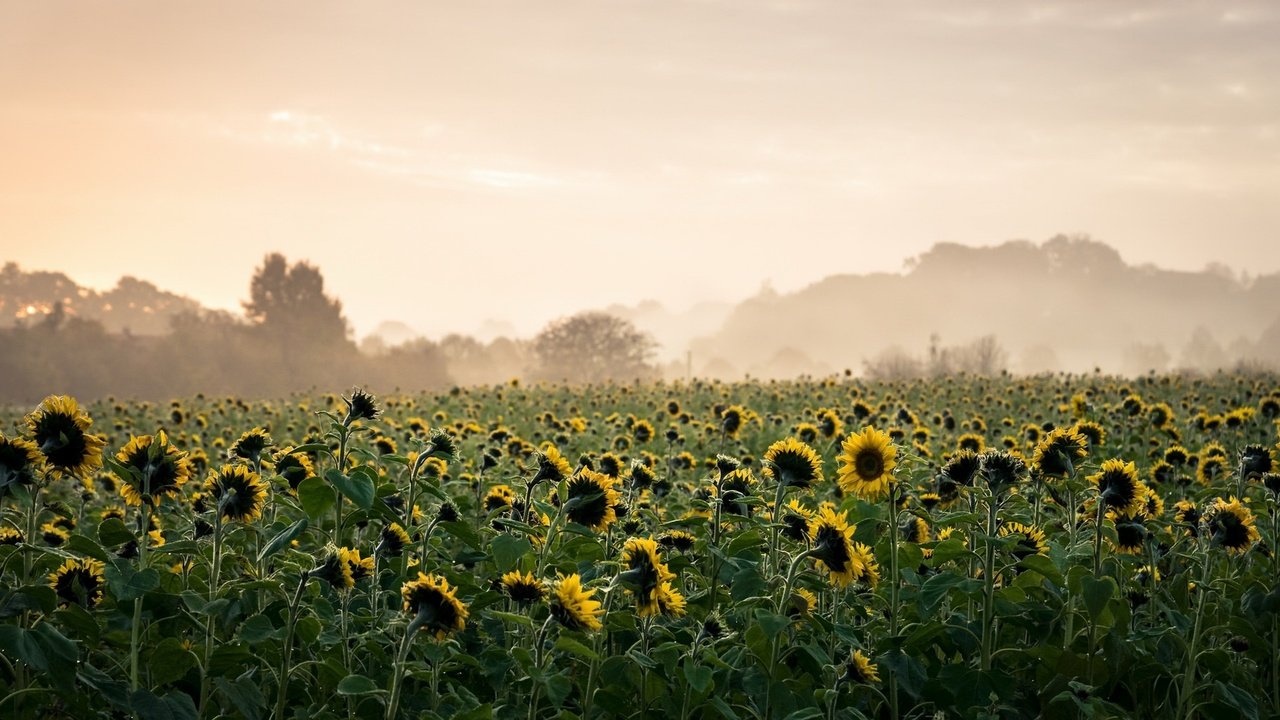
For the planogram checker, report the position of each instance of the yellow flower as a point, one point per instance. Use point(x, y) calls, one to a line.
point(868, 459)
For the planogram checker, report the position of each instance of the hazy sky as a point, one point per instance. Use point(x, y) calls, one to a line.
point(447, 162)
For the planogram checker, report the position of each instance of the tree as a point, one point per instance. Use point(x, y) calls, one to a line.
point(593, 347)
point(290, 302)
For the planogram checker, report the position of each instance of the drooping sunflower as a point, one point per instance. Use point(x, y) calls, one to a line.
point(1188, 515)
point(678, 540)
point(162, 469)
point(1211, 469)
point(1177, 456)
point(1231, 525)
point(1091, 431)
point(360, 406)
point(54, 535)
point(829, 423)
point(392, 540)
point(523, 589)
point(868, 459)
point(1028, 539)
point(962, 468)
point(10, 536)
point(20, 462)
point(793, 463)
point(795, 520)
point(61, 432)
point(78, 582)
point(434, 606)
point(251, 444)
point(238, 492)
point(914, 530)
point(1131, 534)
point(972, 442)
point(294, 468)
point(1119, 487)
point(336, 568)
point(572, 606)
point(1255, 461)
point(832, 546)
point(591, 500)
point(1002, 470)
point(499, 497)
point(1058, 452)
point(669, 601)
point(1152, 505)
point(552, 466)
point(859, 670)
point(645, 572)
point(865, 556)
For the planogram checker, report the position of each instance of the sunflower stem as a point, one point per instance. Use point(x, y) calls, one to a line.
point(282, 691)
point(893, 593)
point(397, 673)
point(135, 630)
point(1189, 676)
point(989, 583)
point(214, 573)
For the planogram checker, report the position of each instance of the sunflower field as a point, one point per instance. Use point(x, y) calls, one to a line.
point(1060, 546)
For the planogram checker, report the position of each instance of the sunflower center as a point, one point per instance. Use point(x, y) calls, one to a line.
point(869, 464)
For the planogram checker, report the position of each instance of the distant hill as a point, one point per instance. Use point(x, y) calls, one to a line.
point(133, 305)
point(1070, 303)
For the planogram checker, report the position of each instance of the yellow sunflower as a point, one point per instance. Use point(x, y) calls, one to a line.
point(868, 459)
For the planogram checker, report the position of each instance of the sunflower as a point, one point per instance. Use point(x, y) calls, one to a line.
point(1058, 452)
point(1231, 525)
point(678, 540)
point(1177, 456)
point(832, 546)
point(335, 568)
point(361, 568)
point(793, 463)
point(914, 530)
point(864, 556)
point(1002, 470)
point(392, 541)
point(294, 468)
point(1119, 487)
point(829, 424)
point(1255, 461)
point(499, 497)
point(868, 459)
point(731, 420)
point(1028, 539)
point(60, 430)
point(803, 603)
point(642, 476)
point(1092, 432)
point(360, 406)
point(860, 671)
point(240, 492)
point(591, 499)
point(78, 582)
point(251, 444)
point(644, 574)
point(1131, 534)
point(669, 601)
point(523, 589)
point(433, 605)
point(1186, 513)
point(10, 536)
point(1152, 505)
point(20, 462)
point(1211, 469)
point(572, 606)
point(53, 535)
point(972, 442)
point(161, 469)
point(962, 468)
point(795, 520)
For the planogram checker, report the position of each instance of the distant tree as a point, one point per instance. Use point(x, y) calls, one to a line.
point(892, 363)
point(291, 301)
point(1140, 358)
point(1203, 352)
point(593, 347)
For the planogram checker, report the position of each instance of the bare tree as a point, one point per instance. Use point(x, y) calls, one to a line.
point(593, 347)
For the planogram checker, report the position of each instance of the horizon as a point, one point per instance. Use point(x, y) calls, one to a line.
point(519, 164)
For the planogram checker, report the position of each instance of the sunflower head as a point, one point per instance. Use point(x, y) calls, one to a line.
point(159, 470)
point(670, 602)
point(251, 445)
point(962, 468)
point(859, 670)
point(523, 589)
point(360, 406)
point(1028, 539)
point(1119, 487)
point(832, 546)
point(392, 540)
point(335, 569)
point(1058, 452)
point(238, 491)
point(20, 462)
point(868, 458)
point(572, 606)
point(1002, 470)
point(795, 520)
point(645, 572)
point(914, 529)
point(1131, 534)
point(60, 430)
point(78, 582)
point(1231, 525)
point(1093, 433)
point(552, 466)
point(678, 540)
point(294, 468)
point(793, 463)
point(1255, 461)
point(433, 605)
point(591, 499)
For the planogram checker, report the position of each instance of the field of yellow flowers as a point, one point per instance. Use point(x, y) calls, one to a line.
point(1059, 546)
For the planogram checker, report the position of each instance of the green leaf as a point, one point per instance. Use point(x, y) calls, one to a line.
point(127, 585)
point(949, 549)
point(282, 540)
point(356, 685)
point(1096, 594)
point(698, 676)
point(1238, 699)
point(770, 623)
point(507, 551)
point(85, 546)
point(356, 487)
point(170, 661)
point(112, 532)
point(19, 644)
point(570, 645)
point(256, 629)
point(316, 497)
point(148, 706)
point(464, 532)
point(935, 590)
point(1043, 565)
point(244, 694)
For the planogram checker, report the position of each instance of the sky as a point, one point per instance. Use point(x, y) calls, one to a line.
point(445, 163)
